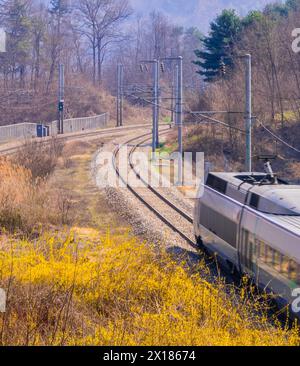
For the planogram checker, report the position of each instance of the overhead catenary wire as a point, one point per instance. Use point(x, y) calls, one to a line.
point(214, 120)
point(197, 115)
point(276, 137)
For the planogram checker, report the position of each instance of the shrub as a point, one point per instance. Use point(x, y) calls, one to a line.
point(39, 157)
point(82, 289)
point(25, 203)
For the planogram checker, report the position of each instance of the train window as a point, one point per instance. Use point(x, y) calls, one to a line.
point(220, 225)
point(277, 260)
point(254, 201)
point(271, 257)
point(260, 249)
point(266, 256)
point(293, 270)
point(216, 183)
point(281, 263)
point(285, 264)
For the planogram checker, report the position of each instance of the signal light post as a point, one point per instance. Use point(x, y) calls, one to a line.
point(120, 94)
point(61, 94)
point(248, 113)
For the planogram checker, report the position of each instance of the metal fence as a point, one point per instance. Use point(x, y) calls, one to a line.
point(81, 124)
point(20, 130)
point(28, 130)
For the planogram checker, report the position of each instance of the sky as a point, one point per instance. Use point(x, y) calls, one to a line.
point(197, 13)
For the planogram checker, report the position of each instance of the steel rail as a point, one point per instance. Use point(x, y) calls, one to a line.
point(153, 190)
point(147, 204)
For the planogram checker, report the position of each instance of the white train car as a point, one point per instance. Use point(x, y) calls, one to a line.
point(252, 221)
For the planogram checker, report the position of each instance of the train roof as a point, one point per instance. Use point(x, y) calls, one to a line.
point(277, 199)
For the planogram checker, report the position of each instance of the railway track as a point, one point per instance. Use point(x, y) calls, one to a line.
point(166, 211)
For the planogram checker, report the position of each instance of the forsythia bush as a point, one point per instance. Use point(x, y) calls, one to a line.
point(81, 289)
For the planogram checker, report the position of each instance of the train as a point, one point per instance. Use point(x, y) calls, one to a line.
point(251, 222)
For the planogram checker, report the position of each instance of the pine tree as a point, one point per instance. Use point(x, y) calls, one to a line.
point(217, 47)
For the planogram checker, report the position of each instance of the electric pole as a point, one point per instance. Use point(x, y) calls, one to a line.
point(248, 113)
point(61, 101)
point(156, 101)
point(120, 94)
point(179, 116)
point(174, 76)
point(179, 111)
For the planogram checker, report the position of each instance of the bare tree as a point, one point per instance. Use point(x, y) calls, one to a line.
point(100, 21)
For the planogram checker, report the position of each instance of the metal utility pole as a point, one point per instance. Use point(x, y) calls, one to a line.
point(156, 101)
point(179, 110)
point(174, 95)
point(248, 113)
point(154, 108)
point(61, 101)
point(120, 94)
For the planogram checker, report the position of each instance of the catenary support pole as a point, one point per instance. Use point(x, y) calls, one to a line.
point(121, 93)
point(248, 113)
point(157, 99)
point(118, 95)
point(180, 118)
point(154, 114)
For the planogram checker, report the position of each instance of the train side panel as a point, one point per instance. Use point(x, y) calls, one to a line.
point(268, 253)
point(218, 229)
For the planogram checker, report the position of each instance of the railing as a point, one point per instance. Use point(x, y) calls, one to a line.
point(12, 132)
point(81, 124)
point(29, 130)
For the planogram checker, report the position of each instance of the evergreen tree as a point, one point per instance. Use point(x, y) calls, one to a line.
point(218, 45)
point(293, 5)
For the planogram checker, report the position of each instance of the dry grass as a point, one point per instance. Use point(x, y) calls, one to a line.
point(26, 203)
point(39, 157)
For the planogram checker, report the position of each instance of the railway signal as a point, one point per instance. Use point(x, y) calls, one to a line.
point(223, 69)
point(61, 106)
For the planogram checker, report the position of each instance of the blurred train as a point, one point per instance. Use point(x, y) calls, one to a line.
point(252, 222)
